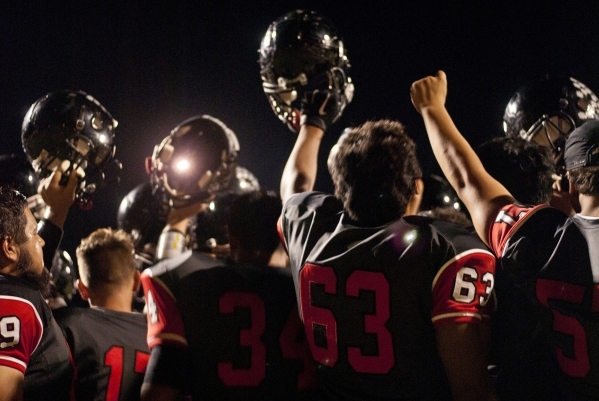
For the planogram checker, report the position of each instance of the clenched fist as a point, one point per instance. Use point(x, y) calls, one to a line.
point(429, 92)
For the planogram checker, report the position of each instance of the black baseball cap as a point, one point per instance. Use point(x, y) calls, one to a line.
point(580, 145)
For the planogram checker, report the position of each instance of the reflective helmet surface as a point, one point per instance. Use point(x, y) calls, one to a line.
point(142, 215)
point(195, 161)
point(210, 226)
point(301, 51)
point(16, 171)
point(548, 109)
point(66, 130)
point(438, 193)
point(62, 274)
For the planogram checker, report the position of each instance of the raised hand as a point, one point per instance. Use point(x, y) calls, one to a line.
point(429, 91)
point(319, 109)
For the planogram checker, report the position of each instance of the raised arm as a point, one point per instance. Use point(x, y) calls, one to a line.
point(300, 170)
point(481, 193)
point(319, 110)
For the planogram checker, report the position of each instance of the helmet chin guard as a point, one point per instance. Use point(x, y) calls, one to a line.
point(301, 52)
point(194, 162)
point(70, 130)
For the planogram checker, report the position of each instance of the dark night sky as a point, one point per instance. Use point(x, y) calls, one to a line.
point(153, 66)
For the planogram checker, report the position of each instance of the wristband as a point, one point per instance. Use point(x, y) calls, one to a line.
point(315, 121)
point(170, 244)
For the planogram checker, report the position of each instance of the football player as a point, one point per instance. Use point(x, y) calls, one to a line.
point(393, 304)
point(551, 257)
point(35, 362)
point(108, 339)
point(220, 330)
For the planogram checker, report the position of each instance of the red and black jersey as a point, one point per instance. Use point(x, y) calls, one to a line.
point(239, 325)
point(371, 297)
point(548, 287)
point(109, 349)
point(31, 342)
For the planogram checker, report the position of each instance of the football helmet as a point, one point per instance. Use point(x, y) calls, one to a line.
point(548, 109)
point(210, 226)
point(62, 275)
point(439, 194)
point(17, 172)
point(194, 162)
point(70, 130)
point(143, 216)
point(302, 51)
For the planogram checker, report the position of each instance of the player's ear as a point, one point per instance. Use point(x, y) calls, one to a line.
point(9, 250)
point(414, 204)
point(136, 281)
point(82, 290)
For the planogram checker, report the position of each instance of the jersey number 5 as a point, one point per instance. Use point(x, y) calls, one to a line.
point(578, 365)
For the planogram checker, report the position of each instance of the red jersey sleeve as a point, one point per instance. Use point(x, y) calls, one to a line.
point(463, 287)
point(507, 221)
point(165, 325)
point(21, 331)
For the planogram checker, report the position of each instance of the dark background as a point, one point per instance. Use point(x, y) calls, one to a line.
point(155, 64)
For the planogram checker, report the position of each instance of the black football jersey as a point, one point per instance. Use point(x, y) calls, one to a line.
point(548, 282)
point(239, 324)
point(371, 297)
point(109, 349)
point(31, 342)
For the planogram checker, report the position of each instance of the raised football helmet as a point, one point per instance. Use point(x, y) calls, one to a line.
point(210, 226)
point(194, 162)
point(302, 51)
point(143, 216)
point(70, 130)
point(548, 109)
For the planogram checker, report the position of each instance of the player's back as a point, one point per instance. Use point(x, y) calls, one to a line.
point(554, 261)
point(109, 349)
point(241, 322)
point(371, 297)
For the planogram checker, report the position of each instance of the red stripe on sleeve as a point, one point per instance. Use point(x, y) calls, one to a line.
point(21, 331)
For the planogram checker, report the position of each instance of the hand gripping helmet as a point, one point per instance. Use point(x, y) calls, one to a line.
point(143, 216)
point(70, 130)
point(548, 109)
point(194, 162)
point(302, 51)
point(210, 226)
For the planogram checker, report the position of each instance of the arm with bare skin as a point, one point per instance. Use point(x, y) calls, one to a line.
point(482, 194)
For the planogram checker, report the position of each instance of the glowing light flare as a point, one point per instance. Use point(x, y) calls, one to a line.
point(409, 237)
point(181, 165)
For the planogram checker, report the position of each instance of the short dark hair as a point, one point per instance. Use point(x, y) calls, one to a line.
point(524, 168)
point(586, 179)
point(12, 214)
point(375, 172)
point(253, 218)
point(105, 257)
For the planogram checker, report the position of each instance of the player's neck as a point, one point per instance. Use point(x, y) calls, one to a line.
point(589, 205)
point(120, 302)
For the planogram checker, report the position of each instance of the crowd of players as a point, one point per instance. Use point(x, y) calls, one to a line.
point(215, 288)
